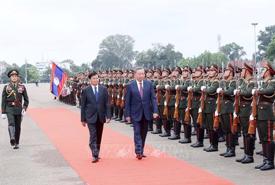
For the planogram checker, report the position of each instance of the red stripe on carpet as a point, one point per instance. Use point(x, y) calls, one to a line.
point(118, 164)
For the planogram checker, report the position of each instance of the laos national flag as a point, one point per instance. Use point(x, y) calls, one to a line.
point(58, 79)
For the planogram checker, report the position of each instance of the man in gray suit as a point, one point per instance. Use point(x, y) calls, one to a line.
point(95, 111)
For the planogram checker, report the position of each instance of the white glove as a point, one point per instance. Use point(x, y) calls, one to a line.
point(251, 117)
point(219, 90)
point(23, 112)
point(236, 91)
point(203, 88)
point(4, 116)
point(235, 115)
point(216, 113)
point(200, 110)
point(189, 88)
point(176, 87)
point(165, 103)
point(167, 86)
point(254, 91)
point(157, 86)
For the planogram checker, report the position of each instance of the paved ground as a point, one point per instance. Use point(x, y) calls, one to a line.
point(38, 161)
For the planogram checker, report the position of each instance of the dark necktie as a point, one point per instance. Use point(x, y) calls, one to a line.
point(96, 94)
point(140, 89)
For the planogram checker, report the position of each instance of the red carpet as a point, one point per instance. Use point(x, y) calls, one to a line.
point(118, 165)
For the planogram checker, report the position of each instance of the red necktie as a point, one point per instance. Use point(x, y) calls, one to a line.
point(140, 89)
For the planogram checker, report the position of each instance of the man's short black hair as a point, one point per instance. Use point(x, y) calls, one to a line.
point(92, 74)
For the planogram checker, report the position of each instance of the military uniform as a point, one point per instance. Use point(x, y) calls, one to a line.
point(12, 98)
point(196, 89)
point(245, 89)
point(209, 110)
point(265, 120)
point(226, 114)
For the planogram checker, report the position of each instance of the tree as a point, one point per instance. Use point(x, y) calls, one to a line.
point(271, 50)
point(159, 56)
point(233, 51)
point(205, 59)
point(265, 38)
point(32, 73)
point(115, 51)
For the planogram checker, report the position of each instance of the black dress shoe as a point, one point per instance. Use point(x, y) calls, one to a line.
point(174, 137)
point(165, 134)
point(185, 140)
point(139, 156)
point(268, 166)
point(259, 152)
point(197, 145)
point(150, 129)
point(16, 146)
point(248, 159)
point(222, 154)
point(241, 159)
point(12, 142)
point(211, 148)
point(95, 160)
point(144, 156)
point(261, 165)
point(156, 132)
point(230, 153)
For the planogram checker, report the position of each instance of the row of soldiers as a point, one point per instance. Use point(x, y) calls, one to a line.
point(235, 100)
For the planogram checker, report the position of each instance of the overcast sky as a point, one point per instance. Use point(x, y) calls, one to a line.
point(39, 30)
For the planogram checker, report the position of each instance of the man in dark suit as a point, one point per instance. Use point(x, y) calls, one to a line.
point(140, 108)
point(95, 111)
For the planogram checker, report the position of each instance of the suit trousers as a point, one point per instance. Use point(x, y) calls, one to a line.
point(140, 133)
point(95, 130)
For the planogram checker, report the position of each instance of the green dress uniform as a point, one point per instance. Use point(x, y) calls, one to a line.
point(226, 117)
point(265, 121)
point(187, 127)
point(194, 112)
point(208, 114)
point(244, 113)
point(12, 98)
point(172, 108)
point(159, 89)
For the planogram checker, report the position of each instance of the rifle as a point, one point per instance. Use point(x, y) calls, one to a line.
point(167, 100)
point(202, 99)
point(252, 118)
point(187, 115)
point(158, 93)
point(122, 103)
point(218, 108)
point(178, 95)
point(236, 119)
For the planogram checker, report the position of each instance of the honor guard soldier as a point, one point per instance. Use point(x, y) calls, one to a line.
point(12, 106)
point(159, 90)
point(210, 107)
point(244, 91)
point(225, 116)
point(175, 102)
point(265, 118)
point(185, 98)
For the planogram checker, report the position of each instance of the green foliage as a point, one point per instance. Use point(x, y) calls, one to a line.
point(205, 59)
point(115, 51)
point(233, 51)
point(264, 39)
point(271, 50)
point(159, 56)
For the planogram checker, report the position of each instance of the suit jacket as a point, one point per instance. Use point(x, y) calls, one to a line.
point(92, 110)
point(135, 106)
